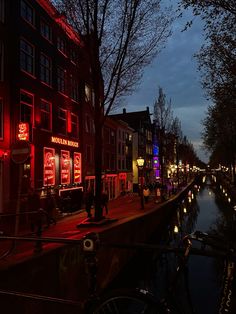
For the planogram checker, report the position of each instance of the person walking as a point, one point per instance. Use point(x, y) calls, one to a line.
point(33, 206)
point(146, 193)
point(88, 200)
point(50, 209)
point(104, 201)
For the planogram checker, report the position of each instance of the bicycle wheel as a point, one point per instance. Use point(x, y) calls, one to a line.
point(126, 301)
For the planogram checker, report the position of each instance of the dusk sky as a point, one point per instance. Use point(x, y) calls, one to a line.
point(175, 70)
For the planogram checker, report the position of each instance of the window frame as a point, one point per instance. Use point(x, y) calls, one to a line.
point(22, 102)
point(74, 88)
point(63, 120)
point(61, 79)
point(45, 71)
point(43, 23)
point(49, 113)
point(25, 16)
point(75, 133)
point(61, 45)
point(27, 55)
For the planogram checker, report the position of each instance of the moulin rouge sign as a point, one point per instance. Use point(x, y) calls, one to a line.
point(63, 141)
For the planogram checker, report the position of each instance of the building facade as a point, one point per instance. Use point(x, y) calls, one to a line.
point(140, 122)
point(47, 100)
point(42, 92)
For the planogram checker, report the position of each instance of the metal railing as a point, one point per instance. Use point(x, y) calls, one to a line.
point(38, 248)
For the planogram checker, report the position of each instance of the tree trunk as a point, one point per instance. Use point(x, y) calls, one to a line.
point(98, 170)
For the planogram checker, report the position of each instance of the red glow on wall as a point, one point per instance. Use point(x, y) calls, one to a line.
point(3, 154)
point(60, 19)
point(77, 168)
point(122, 176)
point(65, 167)
point(23, 131)
point(49, 166)
point(69, 122)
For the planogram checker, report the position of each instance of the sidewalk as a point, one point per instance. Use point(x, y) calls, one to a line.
point(75, 226)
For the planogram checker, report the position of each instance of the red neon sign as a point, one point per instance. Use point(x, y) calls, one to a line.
point(65, 167)
point(49, 166)
point(122, 176)
point(23, 131)
point(77, 168)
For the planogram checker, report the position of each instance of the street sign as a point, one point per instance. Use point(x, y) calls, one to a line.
point(20, 152)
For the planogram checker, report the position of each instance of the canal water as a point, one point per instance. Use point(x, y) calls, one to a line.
point(200, 289)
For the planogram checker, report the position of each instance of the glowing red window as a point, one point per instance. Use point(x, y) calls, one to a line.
point(65, 167)
point(77, 168)
point(49, 166)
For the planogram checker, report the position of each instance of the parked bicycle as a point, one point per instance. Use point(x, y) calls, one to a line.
point(138, 300)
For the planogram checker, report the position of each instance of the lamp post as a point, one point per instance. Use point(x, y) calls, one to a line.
point(140, 165)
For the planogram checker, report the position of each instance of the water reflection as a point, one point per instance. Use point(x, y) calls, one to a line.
point(199, 289)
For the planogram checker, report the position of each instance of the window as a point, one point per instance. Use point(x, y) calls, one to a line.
point(74, 125)
point(45, 114)
point(89, 156)
point(45, 30)
point(1, 61)
point(62, 117)
point(49, 168)
point(1, 118)
point(26, 56)
point(61, 45)
point(26, 107)
point(73, 55)
point(112, 137)
point(45, 69)
point(119, 148)
point(27, 12)
point(87, 93)
point(89, 125)
point(2, 11)
point(65, 167)
point(113, 162)
point(61, 80)
point(74, 88)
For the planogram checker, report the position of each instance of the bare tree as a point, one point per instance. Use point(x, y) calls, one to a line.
point(121, 37)
point(163, 122)
point(217, 64)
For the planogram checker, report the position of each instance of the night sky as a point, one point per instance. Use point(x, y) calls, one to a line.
point(175, 70)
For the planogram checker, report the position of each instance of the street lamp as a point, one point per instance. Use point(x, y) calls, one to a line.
point(140, 165)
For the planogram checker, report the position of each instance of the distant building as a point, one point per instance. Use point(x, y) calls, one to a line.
point(140, 122)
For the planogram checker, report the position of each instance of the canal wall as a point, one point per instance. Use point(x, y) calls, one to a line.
point(61, 272)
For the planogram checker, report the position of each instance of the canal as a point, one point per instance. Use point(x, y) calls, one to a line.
point(207, 208)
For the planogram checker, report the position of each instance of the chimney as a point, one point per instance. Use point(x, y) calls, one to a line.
point(124, 111)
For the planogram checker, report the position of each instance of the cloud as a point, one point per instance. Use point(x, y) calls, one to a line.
point(175, 70)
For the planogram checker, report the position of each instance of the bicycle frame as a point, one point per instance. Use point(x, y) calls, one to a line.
point(219, 250)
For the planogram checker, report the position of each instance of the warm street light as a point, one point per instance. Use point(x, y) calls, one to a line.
point(140, 165)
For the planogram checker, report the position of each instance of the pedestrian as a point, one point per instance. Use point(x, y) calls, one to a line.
point(88, 200)
point(37, 213)
point(146, 193)
point(104, 201)
point(158, 195)
point(50, 208)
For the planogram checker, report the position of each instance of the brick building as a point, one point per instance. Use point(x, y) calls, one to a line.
point(44, 85)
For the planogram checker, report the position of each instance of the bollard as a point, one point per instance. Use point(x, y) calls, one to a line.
point(39, 223)
point(90, 246)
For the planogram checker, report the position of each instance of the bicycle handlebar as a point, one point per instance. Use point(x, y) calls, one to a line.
point(219, 247)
